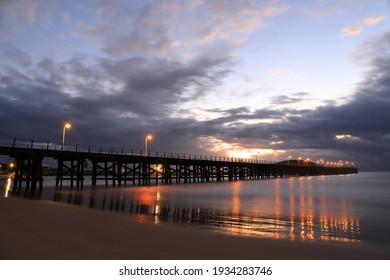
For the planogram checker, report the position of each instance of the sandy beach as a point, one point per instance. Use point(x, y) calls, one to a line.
point(31, 229)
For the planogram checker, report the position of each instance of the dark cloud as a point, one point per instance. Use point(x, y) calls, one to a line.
point(110, 102)
point(289, 99)
point(15, 56)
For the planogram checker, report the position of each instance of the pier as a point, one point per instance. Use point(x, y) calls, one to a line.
point(119, 166)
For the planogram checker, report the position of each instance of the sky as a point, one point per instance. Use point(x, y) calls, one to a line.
point(262, 79)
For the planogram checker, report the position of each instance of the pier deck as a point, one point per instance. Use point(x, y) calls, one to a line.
point(117, 166)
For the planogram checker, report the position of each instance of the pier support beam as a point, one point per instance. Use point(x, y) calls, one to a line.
point(70, 169)
point(28, 169)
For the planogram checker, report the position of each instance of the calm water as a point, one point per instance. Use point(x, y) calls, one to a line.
point(350, 208)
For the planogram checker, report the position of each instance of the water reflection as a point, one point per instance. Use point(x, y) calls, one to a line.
point(29, 193)
point(8, 187)
point(297, 213)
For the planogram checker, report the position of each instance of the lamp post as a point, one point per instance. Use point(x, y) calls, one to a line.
point(67, 125)
point(147, 137)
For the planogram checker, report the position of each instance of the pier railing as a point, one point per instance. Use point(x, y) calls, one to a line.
point(121, 151)
point(122, 166)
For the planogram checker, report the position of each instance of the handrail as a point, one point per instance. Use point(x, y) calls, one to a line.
point(120, 151)
point(132, 152)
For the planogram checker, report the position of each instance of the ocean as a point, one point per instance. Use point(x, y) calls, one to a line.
point(341, 208)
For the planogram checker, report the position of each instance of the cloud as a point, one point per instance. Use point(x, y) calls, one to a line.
point(168, 26)
point(366, 54)
point(273, 10)
point(15, 56)
point(24, 10)
point(290, 99)
point(357, 29)
point(373, 20)
point(322, 11)
point(110, 101)
point(351, 31)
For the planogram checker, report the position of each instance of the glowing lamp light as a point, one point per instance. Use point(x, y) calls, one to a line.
point(67, 125)
point(148, 137)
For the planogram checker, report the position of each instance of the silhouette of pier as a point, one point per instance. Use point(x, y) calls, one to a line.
point(118, 166)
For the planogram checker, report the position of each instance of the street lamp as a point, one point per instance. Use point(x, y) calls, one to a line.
point(147, 137)
point(67, 125)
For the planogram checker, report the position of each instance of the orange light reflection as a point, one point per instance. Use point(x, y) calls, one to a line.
point(8, 187)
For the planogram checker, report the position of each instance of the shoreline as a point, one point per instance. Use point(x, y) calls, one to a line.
point(31, 229)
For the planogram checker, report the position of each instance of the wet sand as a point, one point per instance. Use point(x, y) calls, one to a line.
point(44, 230)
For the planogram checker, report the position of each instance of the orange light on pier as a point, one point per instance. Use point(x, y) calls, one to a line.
point(148, 137)
point(67, 125)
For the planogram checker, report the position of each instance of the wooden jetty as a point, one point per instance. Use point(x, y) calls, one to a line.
point(117, 166)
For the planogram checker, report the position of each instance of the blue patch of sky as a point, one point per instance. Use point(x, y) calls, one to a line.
point(308, 52)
